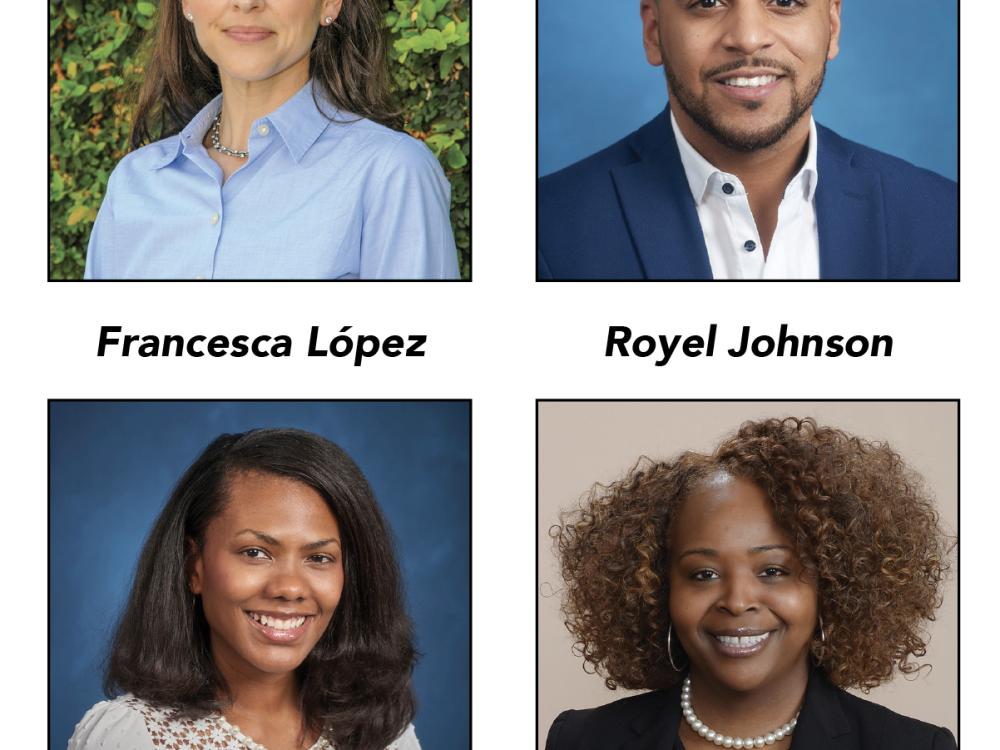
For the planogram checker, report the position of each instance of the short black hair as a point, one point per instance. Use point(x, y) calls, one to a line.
point(356, 682)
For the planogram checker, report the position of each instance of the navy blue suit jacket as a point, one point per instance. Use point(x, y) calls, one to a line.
point(627, 213)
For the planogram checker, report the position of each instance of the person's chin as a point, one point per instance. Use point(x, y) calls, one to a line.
point(250, 74)
point(276, 666)
point(742, 670)
point(742, 677)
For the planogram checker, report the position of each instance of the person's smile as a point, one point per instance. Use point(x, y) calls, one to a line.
point(278, 627)
point(740, 643)
point(748, 84)
point(248, 34)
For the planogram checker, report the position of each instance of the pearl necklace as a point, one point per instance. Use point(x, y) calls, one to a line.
point(724, 740)
point(217, 143)
point(321, 744)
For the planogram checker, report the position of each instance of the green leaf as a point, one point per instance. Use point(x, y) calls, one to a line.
point(455, 158)
point(438, 143)
point(448, 61)
point(146, 9)
point(58, 186)
point(103, 51)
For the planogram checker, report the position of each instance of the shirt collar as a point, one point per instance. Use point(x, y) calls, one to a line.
point(299, 123)
point(700, 172)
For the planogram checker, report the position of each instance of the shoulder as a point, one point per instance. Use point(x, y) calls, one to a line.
point(592, 173)
point(581, 232)
point(114, 723)
point(604, 726)
point(406, 741)
point(391, 149)
point(897, 172)
point(894, 730)
point(150, 156)
point(919, 208)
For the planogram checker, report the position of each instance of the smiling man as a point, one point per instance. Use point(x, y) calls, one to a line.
point(735, 180)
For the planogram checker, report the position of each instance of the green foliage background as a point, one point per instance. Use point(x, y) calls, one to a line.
point(94, 48)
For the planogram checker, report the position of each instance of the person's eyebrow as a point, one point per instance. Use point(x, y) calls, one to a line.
point(268, 539)
point(768, 548)
point(709, 552)
point(699, 551)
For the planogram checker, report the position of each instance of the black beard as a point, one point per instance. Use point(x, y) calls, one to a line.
point(743, 142)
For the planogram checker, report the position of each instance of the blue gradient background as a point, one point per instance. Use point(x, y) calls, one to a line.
point(893, 87)
point(113, 465)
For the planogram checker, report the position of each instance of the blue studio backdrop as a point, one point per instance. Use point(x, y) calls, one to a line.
point(113, 465)
point(893, 87)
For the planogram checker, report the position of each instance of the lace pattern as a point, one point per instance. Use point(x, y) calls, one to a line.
point(212, 732)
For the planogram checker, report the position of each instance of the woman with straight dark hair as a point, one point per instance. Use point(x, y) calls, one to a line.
point(281, 153)
point(267, 604)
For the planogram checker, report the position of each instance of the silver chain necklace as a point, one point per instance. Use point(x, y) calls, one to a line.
point(217, 145)
point(724, 740)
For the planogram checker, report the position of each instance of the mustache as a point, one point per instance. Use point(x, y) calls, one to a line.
point(756, 62)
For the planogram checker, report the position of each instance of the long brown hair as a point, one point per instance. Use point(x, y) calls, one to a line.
point(347, 63)
point(355, 685)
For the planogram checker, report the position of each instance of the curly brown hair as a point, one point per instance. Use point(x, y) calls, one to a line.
point(861, 523)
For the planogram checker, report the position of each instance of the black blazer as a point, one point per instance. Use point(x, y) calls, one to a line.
point(831, 719)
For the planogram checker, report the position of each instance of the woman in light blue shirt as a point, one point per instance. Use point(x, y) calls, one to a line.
point(284, 158)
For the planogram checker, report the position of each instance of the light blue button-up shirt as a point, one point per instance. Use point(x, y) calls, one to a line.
point(317, 199)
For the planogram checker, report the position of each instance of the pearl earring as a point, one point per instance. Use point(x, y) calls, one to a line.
point(328, 20)
point(189, 16)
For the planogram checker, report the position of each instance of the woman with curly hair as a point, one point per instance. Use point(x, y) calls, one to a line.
point(747, 589)
point(266, 612)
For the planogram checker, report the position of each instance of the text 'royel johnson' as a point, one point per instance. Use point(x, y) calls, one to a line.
point(622, 343)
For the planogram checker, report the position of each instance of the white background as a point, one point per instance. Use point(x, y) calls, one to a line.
point(502, 341)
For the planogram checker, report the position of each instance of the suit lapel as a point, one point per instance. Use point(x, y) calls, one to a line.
point(657, 731)
point(822, 724)
point(660, 213)
point(849, 213)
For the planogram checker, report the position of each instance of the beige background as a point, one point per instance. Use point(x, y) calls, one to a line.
point(580, 443)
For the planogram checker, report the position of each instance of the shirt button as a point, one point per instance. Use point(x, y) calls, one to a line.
point(263, 130)
point(214, 219)
point(728, 188)
point(749, 246)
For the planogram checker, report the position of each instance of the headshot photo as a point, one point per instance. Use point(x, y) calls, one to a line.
point(300, 583)
point(748, 574)
point(748, 140)
point(260, 140)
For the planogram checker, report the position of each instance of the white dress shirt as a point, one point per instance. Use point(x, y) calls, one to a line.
point(734, 247)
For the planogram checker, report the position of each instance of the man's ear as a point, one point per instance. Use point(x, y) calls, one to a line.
point(834, 29)
point(650, 12)
point(194, 567)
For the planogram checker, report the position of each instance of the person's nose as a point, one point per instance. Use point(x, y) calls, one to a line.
point(740, 594)
point(286, 582)
point(748, 28)
point(246, 5)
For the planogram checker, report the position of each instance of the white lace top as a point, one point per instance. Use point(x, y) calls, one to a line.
point(129, 723)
